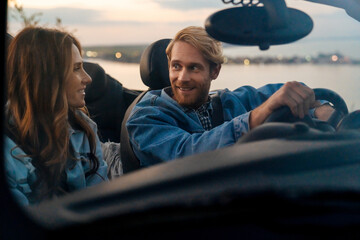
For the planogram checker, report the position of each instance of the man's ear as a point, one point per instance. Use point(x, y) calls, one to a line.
point(215, 71)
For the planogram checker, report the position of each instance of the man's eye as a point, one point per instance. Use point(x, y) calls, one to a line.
point(176, 66)
point(194, 68)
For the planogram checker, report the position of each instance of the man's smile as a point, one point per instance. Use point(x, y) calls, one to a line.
point(185, 88)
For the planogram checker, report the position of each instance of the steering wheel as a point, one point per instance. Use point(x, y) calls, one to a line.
point(279, 122)
point(283, 114)
point(350, 121)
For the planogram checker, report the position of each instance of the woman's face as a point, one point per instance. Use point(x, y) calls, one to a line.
point(76, 84)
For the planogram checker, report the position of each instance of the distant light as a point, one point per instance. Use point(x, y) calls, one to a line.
point(91, 54)
point(308, 58)
point(118, 55)
point(246, 62)
point(334, 58)
point(279, 57)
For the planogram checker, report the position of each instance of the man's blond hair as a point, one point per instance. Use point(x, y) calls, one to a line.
point(210, 48)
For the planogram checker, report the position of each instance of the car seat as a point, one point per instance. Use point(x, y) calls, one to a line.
point(154, 73)
point(8, 39)
point(107, 100)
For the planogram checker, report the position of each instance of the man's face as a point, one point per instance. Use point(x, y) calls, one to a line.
point(190, 75)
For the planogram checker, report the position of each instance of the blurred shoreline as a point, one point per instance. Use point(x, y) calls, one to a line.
point(132, 54)
point(341, 78)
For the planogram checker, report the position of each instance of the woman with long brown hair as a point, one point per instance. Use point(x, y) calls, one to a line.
point(51, 147)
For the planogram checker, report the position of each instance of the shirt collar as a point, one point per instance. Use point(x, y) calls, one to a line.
point(167, 93)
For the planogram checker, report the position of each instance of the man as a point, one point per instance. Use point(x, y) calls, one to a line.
point(176, 121)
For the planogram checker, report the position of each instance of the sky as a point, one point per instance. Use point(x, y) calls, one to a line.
point(114, 22)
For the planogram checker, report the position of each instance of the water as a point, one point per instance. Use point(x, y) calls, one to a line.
point(305, 47)
point(343, 79)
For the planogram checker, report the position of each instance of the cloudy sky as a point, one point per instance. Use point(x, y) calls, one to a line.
point(111, 22)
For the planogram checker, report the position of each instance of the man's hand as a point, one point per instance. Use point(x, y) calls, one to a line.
point(297, 97)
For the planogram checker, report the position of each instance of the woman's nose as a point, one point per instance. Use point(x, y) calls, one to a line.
point(86, 78)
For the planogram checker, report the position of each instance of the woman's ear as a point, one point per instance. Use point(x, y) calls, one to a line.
point(215, 71)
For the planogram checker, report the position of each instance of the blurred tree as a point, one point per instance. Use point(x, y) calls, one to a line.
point(19, 14)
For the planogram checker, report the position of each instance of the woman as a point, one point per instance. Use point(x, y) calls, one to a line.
point(51, 146)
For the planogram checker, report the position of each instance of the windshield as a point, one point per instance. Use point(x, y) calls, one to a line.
point(115, 33)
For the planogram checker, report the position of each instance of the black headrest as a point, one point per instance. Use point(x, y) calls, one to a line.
point(154, 70)
point(99, 81)
point(8, 39)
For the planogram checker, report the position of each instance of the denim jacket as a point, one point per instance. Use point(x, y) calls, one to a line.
point(20, 172)
point(161, 130)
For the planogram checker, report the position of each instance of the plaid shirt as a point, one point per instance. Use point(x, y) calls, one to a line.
point(204, 113)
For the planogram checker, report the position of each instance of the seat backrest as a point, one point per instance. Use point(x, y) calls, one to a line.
point(154, 73)
point(154, 70)
point(107, 101)
point(8, 39)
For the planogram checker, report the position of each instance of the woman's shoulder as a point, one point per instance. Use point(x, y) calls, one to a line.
point(13, 152)
point(19, 170)
point(17, 164)
point(91, 123)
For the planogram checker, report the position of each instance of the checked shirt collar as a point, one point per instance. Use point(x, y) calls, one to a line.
point(204, 112)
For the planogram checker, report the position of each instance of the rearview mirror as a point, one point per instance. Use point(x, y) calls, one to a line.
point(265, 24)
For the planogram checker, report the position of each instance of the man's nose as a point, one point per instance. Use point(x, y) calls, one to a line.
point(183, 75)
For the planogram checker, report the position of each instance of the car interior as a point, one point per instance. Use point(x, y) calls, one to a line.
point(154, 74)
point(308, 171)
point(107, 100)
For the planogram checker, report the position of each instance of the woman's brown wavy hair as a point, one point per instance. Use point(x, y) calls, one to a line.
point(39, 64)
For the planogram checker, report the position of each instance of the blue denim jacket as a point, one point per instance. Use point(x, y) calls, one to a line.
point(20, 173)
point(161, 130)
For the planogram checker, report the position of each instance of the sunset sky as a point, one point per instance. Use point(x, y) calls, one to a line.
point(109, 22)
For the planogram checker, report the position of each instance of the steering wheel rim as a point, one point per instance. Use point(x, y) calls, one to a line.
point(283, 114)
point(331, 96)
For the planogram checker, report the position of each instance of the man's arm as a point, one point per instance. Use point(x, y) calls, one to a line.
point(298, 97)
point(160, 131)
